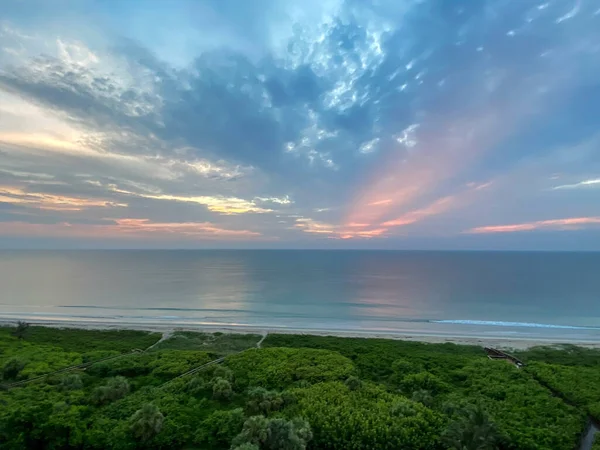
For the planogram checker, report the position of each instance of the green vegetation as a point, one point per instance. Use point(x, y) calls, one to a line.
point(278, 368)
point(84, 341)
point(570, 372)
point(564, 355)
point(578, 385)
point(596, 444)
point(218, 343)
point(295, 393)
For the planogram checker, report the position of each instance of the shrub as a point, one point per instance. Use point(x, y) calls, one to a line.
point(278, 368)
point(353, 383)
point(369, 417)
point(403, 367)
point(423, 381)
point(218, 430)
point(403, 408)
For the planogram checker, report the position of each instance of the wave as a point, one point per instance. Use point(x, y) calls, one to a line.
point(496, 323)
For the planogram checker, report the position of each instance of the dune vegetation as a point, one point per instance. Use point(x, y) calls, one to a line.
point(89, 389)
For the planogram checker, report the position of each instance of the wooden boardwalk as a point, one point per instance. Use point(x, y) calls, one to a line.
point(493, 353)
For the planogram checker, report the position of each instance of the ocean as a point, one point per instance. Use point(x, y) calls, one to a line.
point(485, 294)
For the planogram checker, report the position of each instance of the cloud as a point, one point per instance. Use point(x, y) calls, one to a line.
point(223, 205)
point(439, 206)
point(126, 229)
point(569, 224)
point(362, 112)
point(17, 196)
point(580, 184)
point(285, 200)
point(331, 231)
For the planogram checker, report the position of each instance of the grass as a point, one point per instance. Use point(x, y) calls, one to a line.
point(218, 343)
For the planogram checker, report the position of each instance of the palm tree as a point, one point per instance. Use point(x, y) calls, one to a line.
point(222, 389)
point(474, 431)
point(255, 431)
point(147, 422)
point(246, 446)
point(274, 434)
point(20, 331)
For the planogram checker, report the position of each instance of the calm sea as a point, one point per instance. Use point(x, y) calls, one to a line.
point(459, 293)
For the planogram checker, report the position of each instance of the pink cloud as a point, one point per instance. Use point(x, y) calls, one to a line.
point(332, 231)
point(18, 196)
point(130, 228)
point(558, 224)
point(437, 157)
point(437, 207)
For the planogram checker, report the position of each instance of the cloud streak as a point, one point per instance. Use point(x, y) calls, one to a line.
point(581, 184)
point(569, 224)
point(17, 196)
point(128, 229)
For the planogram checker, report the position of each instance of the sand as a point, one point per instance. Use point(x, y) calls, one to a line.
point(167, 330)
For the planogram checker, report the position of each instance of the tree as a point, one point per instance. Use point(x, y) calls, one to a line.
point(282, 436)
point(71, 382)
point(146, 422)
point(263, 401)
point(195, 386)
point(246, 446)
point(422, 396)
point(21, 330)
point(255, 431)
point(472, 431)
point(302, 429)
point(223, 372)
point(11, 368)
point(116, 388)
point(222, 389)
point(274, 434)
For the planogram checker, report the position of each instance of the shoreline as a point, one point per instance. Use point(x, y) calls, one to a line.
point(514, 343)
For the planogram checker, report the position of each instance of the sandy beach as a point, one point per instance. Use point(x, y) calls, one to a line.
point(167, 330)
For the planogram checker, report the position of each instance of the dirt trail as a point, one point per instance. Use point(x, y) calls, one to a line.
point(588, 439)
point(264, 336)
point(166, 335)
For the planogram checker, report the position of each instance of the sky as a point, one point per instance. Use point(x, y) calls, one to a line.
point(383, 124)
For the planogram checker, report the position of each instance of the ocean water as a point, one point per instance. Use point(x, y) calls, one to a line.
point(487, 294)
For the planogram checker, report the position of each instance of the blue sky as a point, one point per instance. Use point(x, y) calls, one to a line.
point(424, 124)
